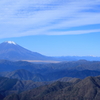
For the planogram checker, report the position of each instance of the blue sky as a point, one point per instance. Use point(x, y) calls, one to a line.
point(52, 27)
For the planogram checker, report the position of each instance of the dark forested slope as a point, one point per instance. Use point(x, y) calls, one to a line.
point(86, 89)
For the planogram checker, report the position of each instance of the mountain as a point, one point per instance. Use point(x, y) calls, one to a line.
point(48, 72)
point(11, 51)
point(11, 86)
point(86, 89)
point(76, 58)
point(71, 73)
point(23, 74)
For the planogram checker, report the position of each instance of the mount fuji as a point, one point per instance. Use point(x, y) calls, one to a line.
point(9, 50)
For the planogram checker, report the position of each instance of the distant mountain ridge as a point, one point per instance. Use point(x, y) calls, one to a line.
point(10, 50)
point(48, 72)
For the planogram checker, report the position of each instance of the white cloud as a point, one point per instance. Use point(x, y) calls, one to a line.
point(24, 17)
point(74, 32)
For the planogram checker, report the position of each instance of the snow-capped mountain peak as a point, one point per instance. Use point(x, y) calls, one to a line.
point(10, 50)
point(11, 42)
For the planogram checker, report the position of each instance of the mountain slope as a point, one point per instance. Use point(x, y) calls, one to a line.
point(87, 89)
point(12, 51)
point(9, 50)
point(11, 86)
point(23, 74)
point(48, 72)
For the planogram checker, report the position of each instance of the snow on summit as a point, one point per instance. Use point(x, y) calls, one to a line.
point(11, 42)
